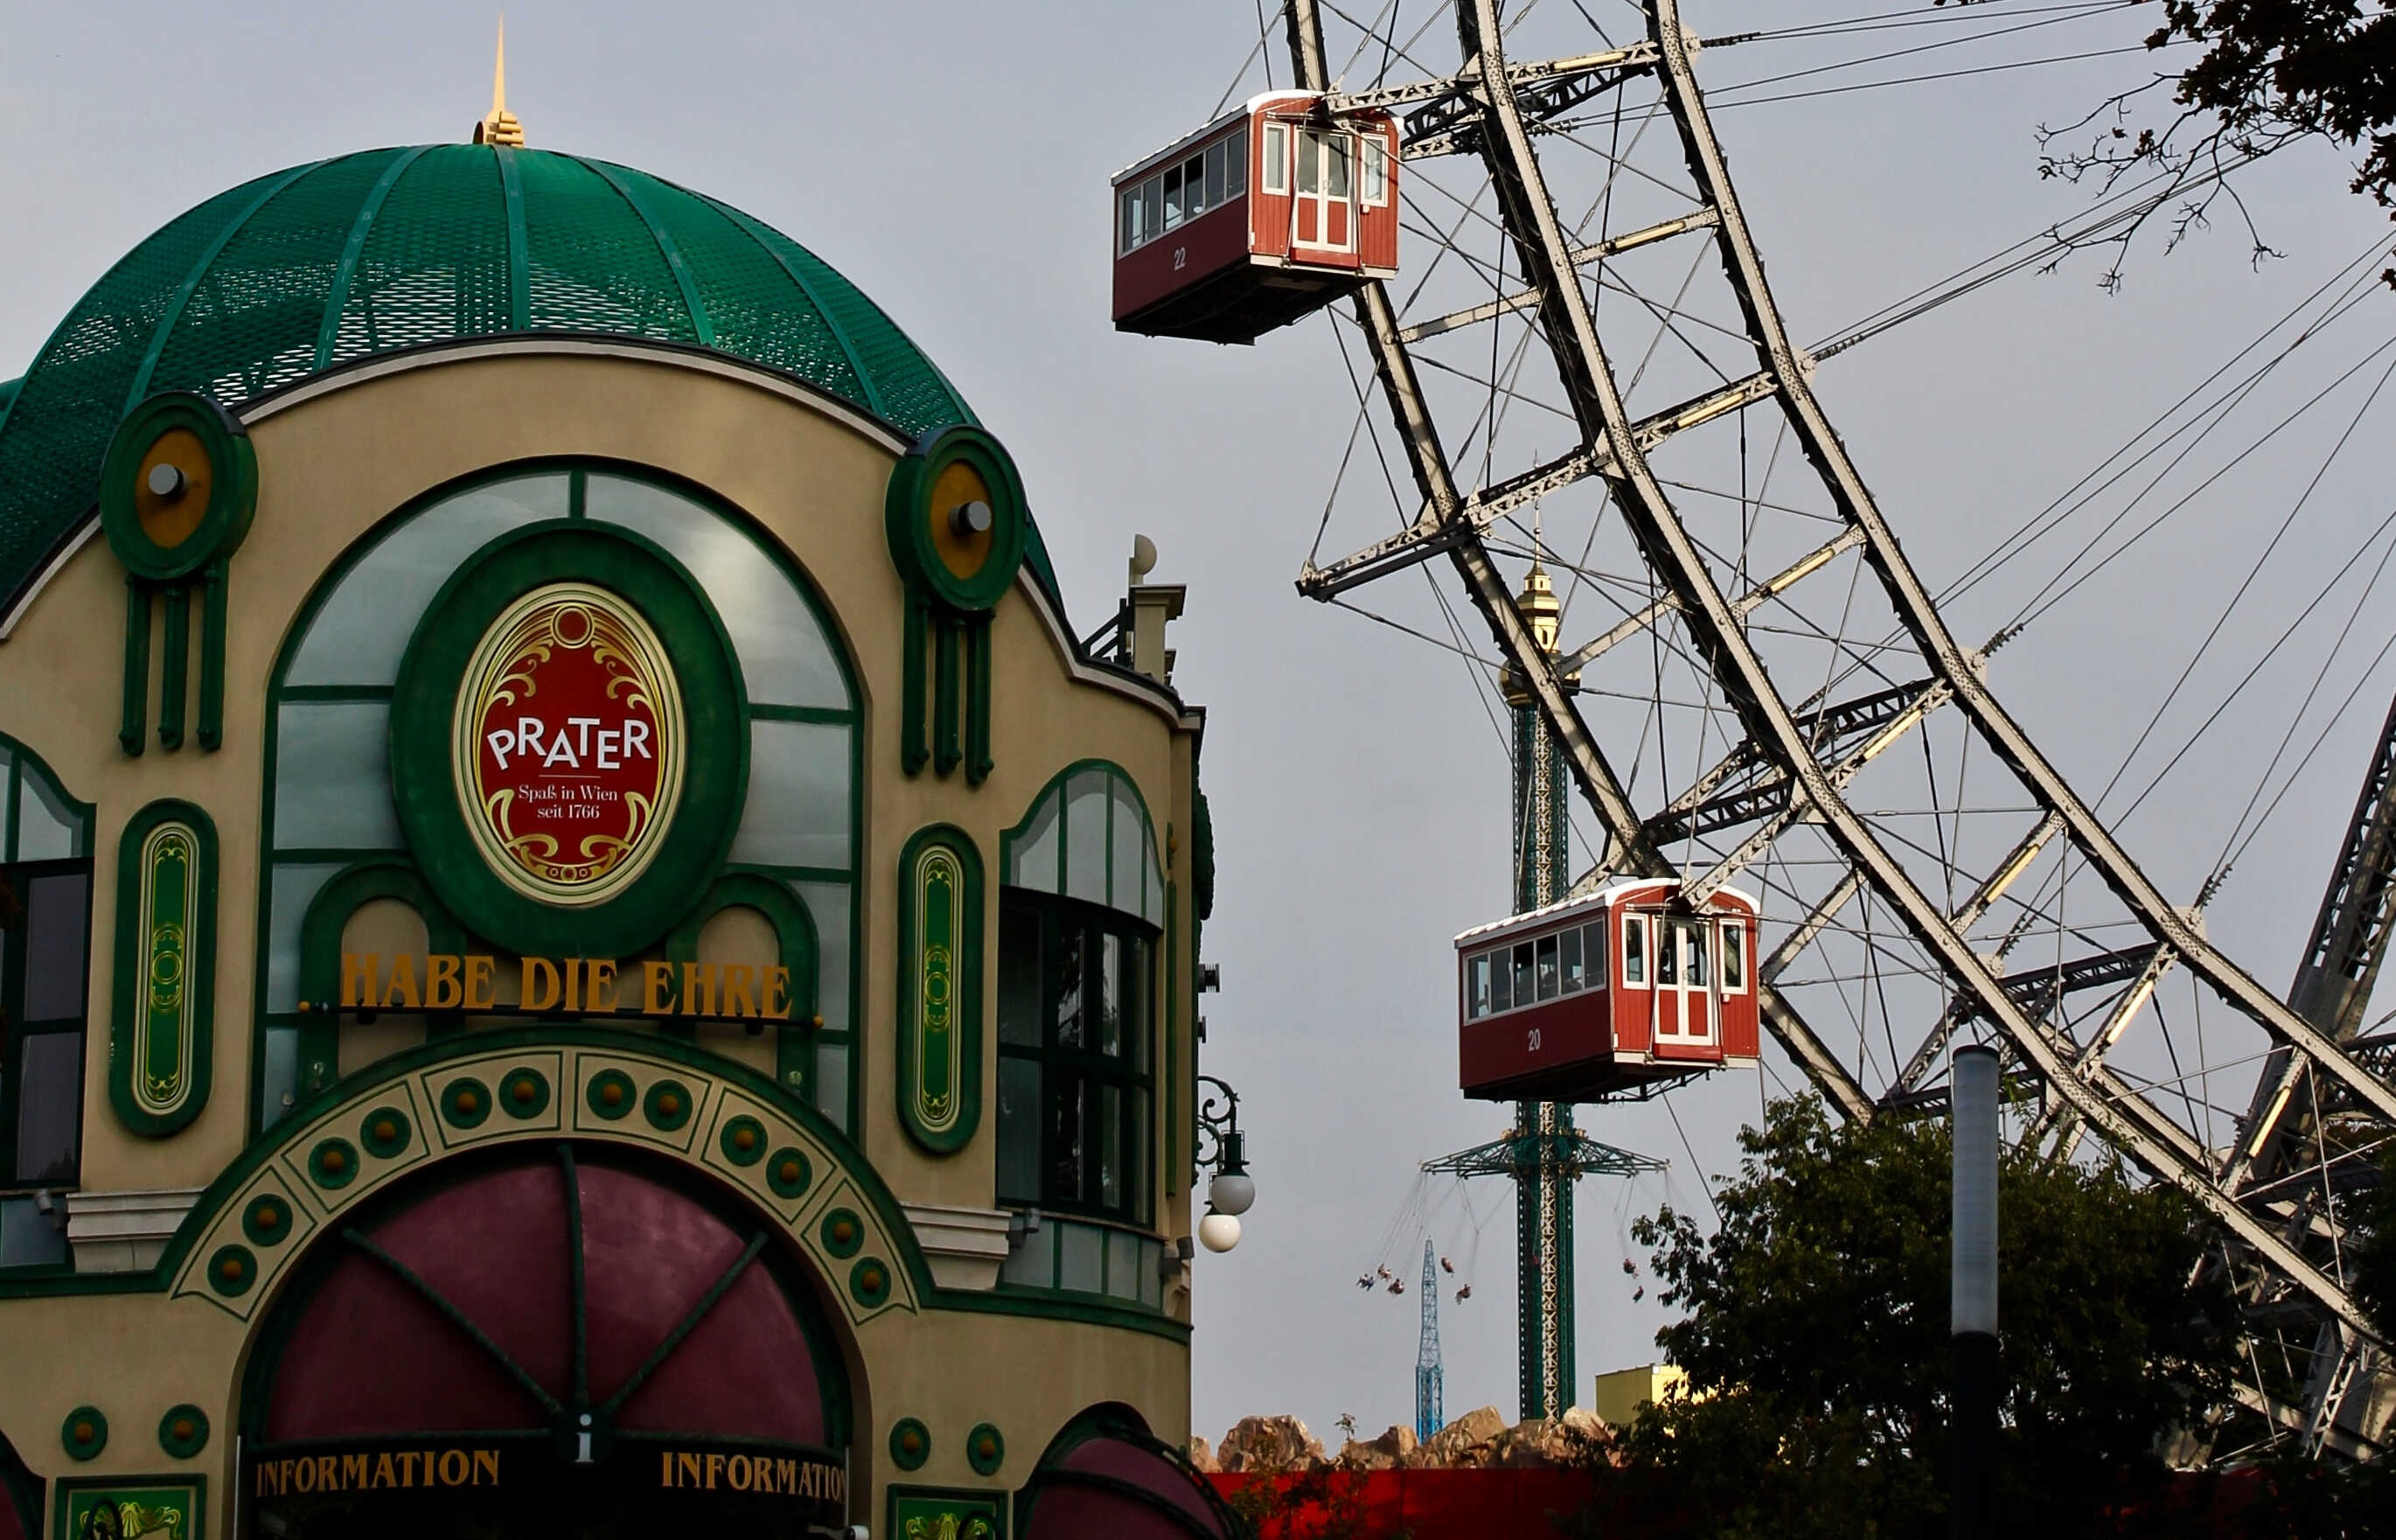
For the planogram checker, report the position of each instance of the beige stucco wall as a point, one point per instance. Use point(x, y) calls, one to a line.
point(333, 462)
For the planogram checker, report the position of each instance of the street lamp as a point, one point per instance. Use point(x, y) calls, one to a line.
point(1221, 1145)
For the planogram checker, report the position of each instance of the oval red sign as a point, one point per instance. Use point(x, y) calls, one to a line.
point(567, 745)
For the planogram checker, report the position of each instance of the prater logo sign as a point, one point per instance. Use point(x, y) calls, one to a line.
point(569, 744)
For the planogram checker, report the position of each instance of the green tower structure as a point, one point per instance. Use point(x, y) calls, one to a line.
point(1544, 1153)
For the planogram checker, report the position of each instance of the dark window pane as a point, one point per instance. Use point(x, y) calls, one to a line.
point(1571, 947)
point(1173, 197)
point(1634, 949)
point(1065, 991)
point(1151, 202)
point(1547, 964)
point(1693, 944)
point(1503, 994)
point(49, 1107)
point(1018, 974)
point(1668, 955)
point(1143, 1137)
point(1111, 996)
point(1523, 994)
point(1215, 173)
point(55, 913)
point(1733, 938)
point(1136, 996)
point(1310, 160)
point(1235, 165)
point(1109, 1143)
point(1593, 949)
point(1018, 1130)
point(1130, 236)
point(1476, 987)
point(1193, 187)
point(1068, 1133)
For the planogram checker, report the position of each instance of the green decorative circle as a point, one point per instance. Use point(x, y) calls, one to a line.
point(465, 1103)
point(843, 1232)
point(183, 1431)
point(334, 1163)
point(868, 1281)
point(715, 701)
point(232, 490)
point(910, 1443)
point(743, 1141)
point(909, 520)
point(985, 1449)
point(267, 1220)
point(384, 1132)
point(666, 1106)
point(232, 1270)
point(524, 1093)
point(789, 1172)
point(84, 1433)
point(610, 1094)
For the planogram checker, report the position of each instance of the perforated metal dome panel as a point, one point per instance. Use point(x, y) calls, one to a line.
point(310, 268)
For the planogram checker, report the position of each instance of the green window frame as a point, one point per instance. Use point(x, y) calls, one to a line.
point(802, 700)
point(1077, 1057)
point(46, 866)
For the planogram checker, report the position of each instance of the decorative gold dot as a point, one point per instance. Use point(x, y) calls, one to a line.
point(612, 1093)
point(872, 1280)
point(524, 1090)
point(335, 1161)
point(814, 1021)
point(468, 1102)
point(183, 1429)
point(384, 1130)
point(85, 1432)
point(788, 1171)
point(303, 1007)
point(229, 1269)
point(744, 1138)
point(907, 1441)
point(668, 1105)
point(842, 1231)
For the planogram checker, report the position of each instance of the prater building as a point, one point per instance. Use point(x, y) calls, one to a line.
point(585, 952)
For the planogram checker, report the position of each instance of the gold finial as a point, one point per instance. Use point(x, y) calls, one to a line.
point(1540, 607)
point(501, 127)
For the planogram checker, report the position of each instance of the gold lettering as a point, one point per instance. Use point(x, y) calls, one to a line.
point(481, 992)
point(358, 970)
point(487, 1460)
point(266, 1487)
point(656, 988)
point(353, 1472)
point(537, 986)
point(441, 990)
point(786, 1476)
point(735, 1472)
point(383, 1472)
point(453, 1474)
point(776, 1006)
point(686, 1465)
point(400, 989)
point(698, 990)
point(665, 1478)
point(573, 983)
point(599, 984)
point(738, 979)
point(714, 1469)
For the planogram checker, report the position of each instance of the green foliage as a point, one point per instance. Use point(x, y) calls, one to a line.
point(1816, 1332)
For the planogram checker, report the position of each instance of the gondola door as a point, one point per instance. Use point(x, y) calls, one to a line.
point(1684, 990)
point(1324, 211)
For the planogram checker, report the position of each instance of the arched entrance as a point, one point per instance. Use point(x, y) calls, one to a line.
point(1105, 1473)
point(563, 1341)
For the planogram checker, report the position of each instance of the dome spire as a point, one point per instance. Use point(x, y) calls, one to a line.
point(501, 127)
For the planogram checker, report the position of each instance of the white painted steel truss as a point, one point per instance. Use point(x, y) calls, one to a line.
point(1892, 898)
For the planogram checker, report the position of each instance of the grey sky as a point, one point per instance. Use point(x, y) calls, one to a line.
point(952, 160)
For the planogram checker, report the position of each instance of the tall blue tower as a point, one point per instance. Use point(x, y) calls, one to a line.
point(1430, 1415)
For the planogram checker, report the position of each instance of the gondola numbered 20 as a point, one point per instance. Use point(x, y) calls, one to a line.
point(1615, 992)
point(1260, 219)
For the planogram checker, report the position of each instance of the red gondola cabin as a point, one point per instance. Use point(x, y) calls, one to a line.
point(1262, 216)
point(1607, 993)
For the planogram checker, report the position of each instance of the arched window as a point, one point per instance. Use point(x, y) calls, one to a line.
point(1081, 912)
point(330, 807)
point(45, 967)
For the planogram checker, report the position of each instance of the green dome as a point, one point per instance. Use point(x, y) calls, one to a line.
point(296, 272)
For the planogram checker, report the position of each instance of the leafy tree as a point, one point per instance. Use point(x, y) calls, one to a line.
point(2273, 72)
point(1815, 1335)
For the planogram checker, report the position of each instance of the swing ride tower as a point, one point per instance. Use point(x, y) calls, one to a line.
point(1431, 1388)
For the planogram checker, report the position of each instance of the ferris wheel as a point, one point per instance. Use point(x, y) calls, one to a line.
point(1573, 362)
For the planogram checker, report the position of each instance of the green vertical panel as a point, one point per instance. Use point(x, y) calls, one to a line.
point(161, 1041)
point(939, 1023)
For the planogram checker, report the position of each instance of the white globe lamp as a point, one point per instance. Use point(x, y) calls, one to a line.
point(1219, 1232)
point(1231, 1192)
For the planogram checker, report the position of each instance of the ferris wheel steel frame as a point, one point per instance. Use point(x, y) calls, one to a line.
point(1489, 109)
